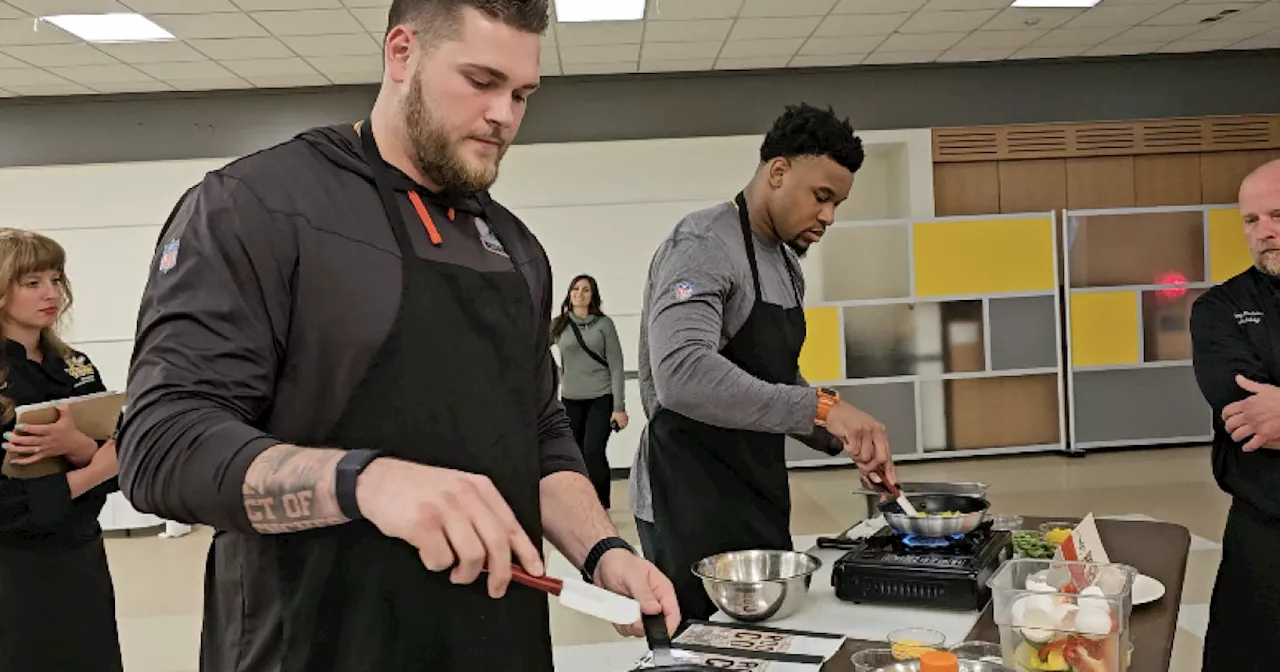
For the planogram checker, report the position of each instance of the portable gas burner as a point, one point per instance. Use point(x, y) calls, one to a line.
point(946, 573)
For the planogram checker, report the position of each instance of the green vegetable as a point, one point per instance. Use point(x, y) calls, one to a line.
point(1032, 545)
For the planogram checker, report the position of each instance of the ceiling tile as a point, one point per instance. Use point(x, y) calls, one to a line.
point(1163, 34)
point(344, 65)
point(692, 65)
point(960, 55)
point(132, 87)
point(1192, 46)
point(779, 8)
point(946, 5)
point(60, 54)
point(888, 58)
point(242, 48)
point(1269, 40)
point(197, 70)
point(1049, 52)
point(229, 82)
point(1192, 14)
point(752, 63)
point(153, 52)
point(180, 6)
point(544, 70)
point(196, 26)
point(47, 7)
point(1077, 37)
point(826, 60)
point(370, 77)
point(6, 94)
point(63, 89)
point(599, 68)
point(1019, 18)
point(270, 67)
point(10, 62)
point(1106, 16)
point(1123, 49)
point(11, 12)
point(665, 10)
point(549, 54)
point(374, 19)
point(825, 46)
point(309, 22)
point(11, 77)
point(260, 5)
point(877, 6)
point(26, 31)
point(934, 42)
point(601, 33)
point(860, 24)
point(367, 3)
point(100, 74)
point(618, 53)
point(999, 39)
point(679, 51)
point(939, 22)
point(754, 48)
point(769, 29)
point(288, 81)
point(1237, 28)
point(687, 31)
point(357, 44)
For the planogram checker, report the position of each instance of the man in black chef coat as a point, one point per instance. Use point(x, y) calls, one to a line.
point(343, 364)
point(1235, 332)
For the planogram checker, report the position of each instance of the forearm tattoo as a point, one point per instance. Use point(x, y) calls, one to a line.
point(290, 489)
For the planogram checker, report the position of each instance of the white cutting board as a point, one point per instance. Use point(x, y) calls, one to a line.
point(823, 612)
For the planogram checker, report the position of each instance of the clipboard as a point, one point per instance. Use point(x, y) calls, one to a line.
point(97, 415)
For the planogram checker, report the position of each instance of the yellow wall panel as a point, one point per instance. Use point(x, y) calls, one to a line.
point(983, 256)
point(1104, 328)
point(820, 357)
point(1228, 249)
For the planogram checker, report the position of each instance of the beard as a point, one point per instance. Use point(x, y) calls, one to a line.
point(801, 249)
point(1268, 262)
point(435, 154)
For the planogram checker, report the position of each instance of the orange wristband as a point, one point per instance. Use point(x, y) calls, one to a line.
point(827, 400)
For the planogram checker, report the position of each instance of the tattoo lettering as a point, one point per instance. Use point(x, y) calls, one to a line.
point(290, 489)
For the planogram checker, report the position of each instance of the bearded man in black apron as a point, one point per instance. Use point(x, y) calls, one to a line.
point(343, 365)
point(1235, 335)
point(720, 343)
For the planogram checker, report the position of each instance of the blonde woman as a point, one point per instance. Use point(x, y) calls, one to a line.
point(57, 603)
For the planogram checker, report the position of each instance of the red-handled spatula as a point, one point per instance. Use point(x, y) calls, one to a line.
point(583, 597)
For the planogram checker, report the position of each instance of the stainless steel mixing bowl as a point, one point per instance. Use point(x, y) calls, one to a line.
point(755, 586)
point(965, 666)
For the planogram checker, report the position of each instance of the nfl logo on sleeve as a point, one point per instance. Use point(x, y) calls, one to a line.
point(684, 290)
point(169, 257)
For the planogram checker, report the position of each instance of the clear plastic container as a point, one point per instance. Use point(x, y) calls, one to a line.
point(1054, 615)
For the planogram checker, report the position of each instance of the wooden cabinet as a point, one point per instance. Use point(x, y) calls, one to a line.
point(966, 188)
point(1167, 179)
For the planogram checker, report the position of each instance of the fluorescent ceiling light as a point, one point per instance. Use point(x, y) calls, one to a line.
point(574, 11)
point(122, 27)
point(1055, 3)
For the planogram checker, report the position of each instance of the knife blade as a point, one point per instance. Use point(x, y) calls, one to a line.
point(583, 597)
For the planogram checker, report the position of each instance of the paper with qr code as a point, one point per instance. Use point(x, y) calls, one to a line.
point(755, 640)
point(728, 662)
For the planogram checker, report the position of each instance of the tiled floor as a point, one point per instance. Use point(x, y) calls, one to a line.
point(159, 581)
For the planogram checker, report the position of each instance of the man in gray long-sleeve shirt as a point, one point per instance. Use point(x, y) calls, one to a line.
point(720, 339)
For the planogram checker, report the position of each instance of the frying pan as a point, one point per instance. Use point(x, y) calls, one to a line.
point(972, 511)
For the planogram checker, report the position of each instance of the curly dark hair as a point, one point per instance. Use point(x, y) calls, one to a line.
point(805, 130)
point(439, 18)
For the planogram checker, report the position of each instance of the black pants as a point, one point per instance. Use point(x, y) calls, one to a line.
point(590, 421)
point(1245, 610)
point(648, 539)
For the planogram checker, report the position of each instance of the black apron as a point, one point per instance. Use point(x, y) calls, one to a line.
point(453, 386)
point(714, 489)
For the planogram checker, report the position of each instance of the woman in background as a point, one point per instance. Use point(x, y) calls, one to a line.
point(592, 386)
point(57, 603)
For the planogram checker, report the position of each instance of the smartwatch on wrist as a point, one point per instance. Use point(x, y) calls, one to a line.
point(349, 469)
point(827, 400)
point(593, 556)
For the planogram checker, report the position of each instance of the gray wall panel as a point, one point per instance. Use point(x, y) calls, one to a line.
point(1023, 333)
point(170, 126)
point(1138, 404)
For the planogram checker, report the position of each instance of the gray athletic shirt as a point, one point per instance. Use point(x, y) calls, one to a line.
point(698, 294)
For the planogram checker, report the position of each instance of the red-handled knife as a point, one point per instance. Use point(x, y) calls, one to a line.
point(583, 597)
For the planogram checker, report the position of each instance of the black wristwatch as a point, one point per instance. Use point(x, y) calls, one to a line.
point(349, 469)
point(593, 556)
